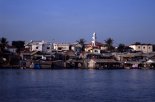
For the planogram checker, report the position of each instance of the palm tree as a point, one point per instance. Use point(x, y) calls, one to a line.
point(3, 43)
point(109, 44)
point(82, 43)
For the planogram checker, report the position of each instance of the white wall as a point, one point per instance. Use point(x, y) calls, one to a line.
point(149, 48)
point(61, 47)
point(144, 48)
point(42, 46)
point(37, 47)
point(47, 48)
point(96, 51)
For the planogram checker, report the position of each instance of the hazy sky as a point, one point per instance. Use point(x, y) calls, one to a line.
point(126, 21)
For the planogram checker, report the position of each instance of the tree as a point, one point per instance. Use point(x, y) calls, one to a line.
point(82, 43)
point(18, 44)
point(109, 44)
point(121, 48)
point(3, 43)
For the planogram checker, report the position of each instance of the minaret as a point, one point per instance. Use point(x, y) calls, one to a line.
point(94, 39)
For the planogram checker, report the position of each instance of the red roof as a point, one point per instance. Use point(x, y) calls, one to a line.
point(97, 44)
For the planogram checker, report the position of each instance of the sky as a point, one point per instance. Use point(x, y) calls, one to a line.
point(125, 21)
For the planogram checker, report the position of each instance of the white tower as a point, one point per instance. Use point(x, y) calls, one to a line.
point(94, 39)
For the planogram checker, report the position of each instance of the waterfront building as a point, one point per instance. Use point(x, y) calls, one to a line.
point(61, 46)
point(41, 46)
point(145, 48)
point(91, 64)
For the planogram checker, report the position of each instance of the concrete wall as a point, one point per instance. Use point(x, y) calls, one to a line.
point(43, 47)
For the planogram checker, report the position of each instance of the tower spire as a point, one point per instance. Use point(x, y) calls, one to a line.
point(94, 39)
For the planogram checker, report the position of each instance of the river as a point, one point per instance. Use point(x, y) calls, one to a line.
point(68, 85)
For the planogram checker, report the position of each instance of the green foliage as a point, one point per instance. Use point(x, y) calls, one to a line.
point(3, 43)
point(18, 44)
point(82, 43)
point(109, 43)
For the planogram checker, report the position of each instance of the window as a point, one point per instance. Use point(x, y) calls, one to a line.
point(143, 47)
point(36, 47)
point(48, 47)
point(95, 51)
point(149, 47)
point(59, 48)
point(138, 47)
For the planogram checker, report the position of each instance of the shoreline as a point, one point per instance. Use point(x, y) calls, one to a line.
point(63, 68)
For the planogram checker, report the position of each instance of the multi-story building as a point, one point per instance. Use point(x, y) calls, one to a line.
point(145, 48)
point(41, 46)
point(61, 46)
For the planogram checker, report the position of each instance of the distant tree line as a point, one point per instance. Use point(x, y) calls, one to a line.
point(109, 42)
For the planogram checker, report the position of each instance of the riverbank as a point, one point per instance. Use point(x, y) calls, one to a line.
point(84, 61)
point(75, 68)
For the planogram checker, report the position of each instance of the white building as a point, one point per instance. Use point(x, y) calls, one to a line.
point(96, 51)
point(145, 48)
point(95, 46)
point(41, 46)
point(61, 46)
